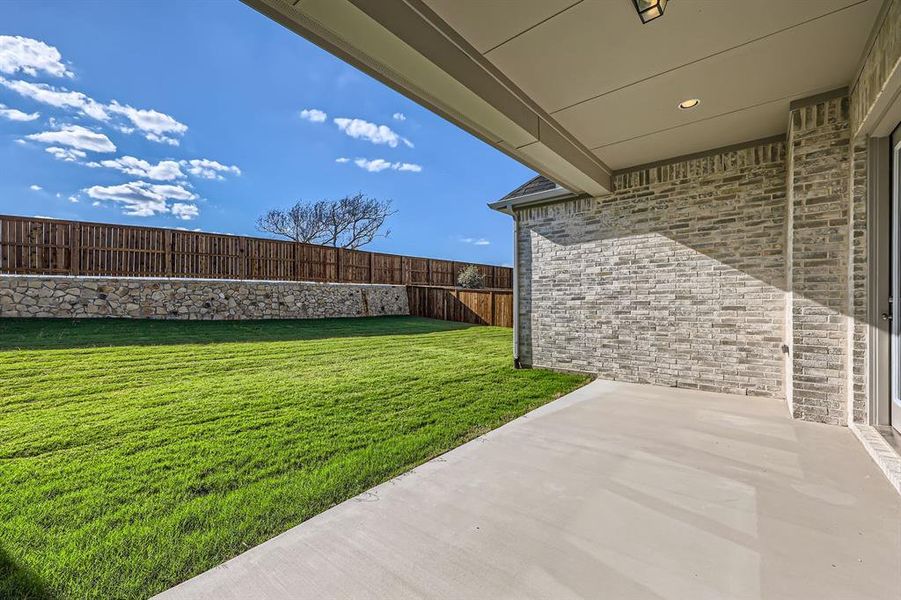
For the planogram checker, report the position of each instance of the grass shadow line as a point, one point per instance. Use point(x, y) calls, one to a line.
point(17, 581)
point(47, 334)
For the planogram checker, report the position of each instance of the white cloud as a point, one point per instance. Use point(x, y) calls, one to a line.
point(373, 166)
point(399, 116)
point(73, 199)
point(342, 160)
point(75, 136)
point(156, 126)
point(313, 115)
point(475, 241)
point(162, 139)
point(35, 187)
point(17, 115)
point(364, 130)
point(142, 199)
point(380, 164)
point(209, 169)
point(165, 170)
point(66, 154)
point(58, 97)
point(96, 203)
point(22, 54)
point(185, 212)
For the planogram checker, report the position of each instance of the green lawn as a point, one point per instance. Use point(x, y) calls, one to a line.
point(135, 454)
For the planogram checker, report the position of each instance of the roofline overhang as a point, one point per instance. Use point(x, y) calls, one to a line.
point(408, 47)
point(509, 205)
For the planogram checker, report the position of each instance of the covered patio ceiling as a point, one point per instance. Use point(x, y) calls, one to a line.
point(578, 89)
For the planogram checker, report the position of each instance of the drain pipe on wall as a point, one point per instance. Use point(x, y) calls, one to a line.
point(516, 363)
point(508, 206)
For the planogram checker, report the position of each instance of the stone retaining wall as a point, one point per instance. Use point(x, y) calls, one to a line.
point(90, 297)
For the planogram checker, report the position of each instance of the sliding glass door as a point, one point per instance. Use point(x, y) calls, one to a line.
point(895, 313)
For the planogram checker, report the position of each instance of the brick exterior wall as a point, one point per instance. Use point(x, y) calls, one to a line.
point(859, 290)
point(676, 279)
point(818, 140)
point(881, 60)
point(693, 274)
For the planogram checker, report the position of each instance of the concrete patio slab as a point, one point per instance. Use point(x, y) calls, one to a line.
point(616, 491)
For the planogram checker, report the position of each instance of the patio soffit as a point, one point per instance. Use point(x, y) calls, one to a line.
point(577, 89)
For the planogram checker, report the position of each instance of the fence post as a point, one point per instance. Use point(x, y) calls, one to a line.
point(428, 271)
point(33, 246)
point(338, 264)
point(493, 316)
point(371, 274)
point(167, 254)
point(75, 249)
point(242, 257)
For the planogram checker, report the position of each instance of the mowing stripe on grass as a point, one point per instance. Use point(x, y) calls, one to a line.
point(136, 454)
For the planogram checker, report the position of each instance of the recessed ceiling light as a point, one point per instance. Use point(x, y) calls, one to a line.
point(690, 103)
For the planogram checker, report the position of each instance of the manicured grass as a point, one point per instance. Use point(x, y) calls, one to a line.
point(135, 454)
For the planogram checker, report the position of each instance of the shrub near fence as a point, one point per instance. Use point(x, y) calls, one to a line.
point(32, 246)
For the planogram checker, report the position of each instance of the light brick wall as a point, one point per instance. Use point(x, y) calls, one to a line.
point(859, 290)
point(676, 279)
point(692, 274)
point(881, 60)
point(819, 137)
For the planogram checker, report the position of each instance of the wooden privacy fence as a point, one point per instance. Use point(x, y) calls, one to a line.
point(34, 246)
point(481, 307)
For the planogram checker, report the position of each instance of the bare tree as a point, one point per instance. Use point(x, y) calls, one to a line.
point(350, 222)
point(301, 223)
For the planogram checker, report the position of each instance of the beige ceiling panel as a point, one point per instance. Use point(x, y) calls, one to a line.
point(560, 170)
point(487, 23)
point(342, 21)
point(762, 121)
point(809, 62)
point(599, 46)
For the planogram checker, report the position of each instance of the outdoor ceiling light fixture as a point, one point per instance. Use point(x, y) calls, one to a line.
point(690, 103)
point(648, 10)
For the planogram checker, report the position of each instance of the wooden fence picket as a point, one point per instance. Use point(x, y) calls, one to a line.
point(38, 246)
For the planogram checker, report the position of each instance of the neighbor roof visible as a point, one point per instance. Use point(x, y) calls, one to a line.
point(532, 186)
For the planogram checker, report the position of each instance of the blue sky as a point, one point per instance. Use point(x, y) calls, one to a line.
point(189, 114)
